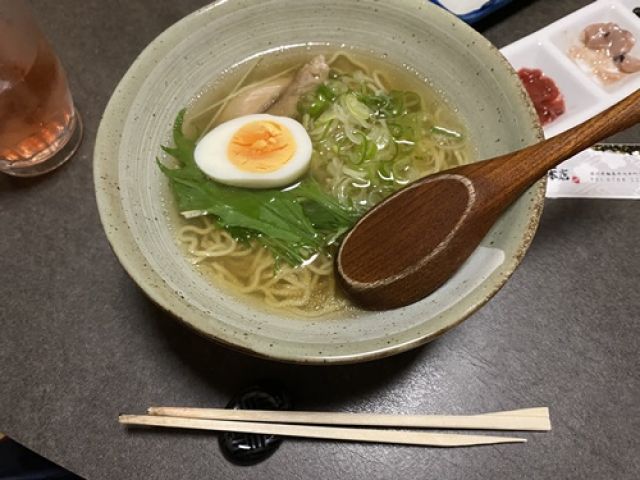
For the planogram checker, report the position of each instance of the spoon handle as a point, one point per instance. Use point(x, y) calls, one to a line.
point(533, 162)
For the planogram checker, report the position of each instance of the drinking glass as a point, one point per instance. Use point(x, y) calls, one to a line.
point(39, 127)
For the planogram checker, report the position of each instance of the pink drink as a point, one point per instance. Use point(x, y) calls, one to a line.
point(37, 117)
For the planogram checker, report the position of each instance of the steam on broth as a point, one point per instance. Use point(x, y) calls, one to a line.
point(374, 127)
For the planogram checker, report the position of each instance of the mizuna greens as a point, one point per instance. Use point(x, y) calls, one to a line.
point(293, 223)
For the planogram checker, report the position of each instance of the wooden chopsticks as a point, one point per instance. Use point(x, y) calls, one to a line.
point(536, 419)
point(305, 424)
point(329, 433)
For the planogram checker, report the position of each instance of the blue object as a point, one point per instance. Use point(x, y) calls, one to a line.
point(476, 15)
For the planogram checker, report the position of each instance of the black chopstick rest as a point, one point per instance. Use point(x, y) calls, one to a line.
point(247, 449)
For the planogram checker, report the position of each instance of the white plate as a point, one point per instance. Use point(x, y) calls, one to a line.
point(547, 49)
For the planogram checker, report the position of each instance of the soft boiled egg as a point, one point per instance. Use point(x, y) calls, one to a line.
point(255, 151)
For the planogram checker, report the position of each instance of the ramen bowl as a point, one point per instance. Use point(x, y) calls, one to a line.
point(136, 206)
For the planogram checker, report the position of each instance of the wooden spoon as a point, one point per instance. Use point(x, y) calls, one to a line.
point(415, 240)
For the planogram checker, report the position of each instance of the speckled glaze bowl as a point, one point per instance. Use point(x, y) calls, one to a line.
point(178, 65)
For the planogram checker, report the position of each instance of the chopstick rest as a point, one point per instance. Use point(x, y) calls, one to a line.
point(247, 449)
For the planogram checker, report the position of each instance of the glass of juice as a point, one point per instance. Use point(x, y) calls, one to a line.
point(39, 127)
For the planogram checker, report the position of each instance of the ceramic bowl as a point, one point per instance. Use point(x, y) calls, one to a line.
point(131, 191)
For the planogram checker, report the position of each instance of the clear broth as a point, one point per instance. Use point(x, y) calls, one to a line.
point(324, 297)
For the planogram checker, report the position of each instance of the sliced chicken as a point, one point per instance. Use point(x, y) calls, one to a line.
point(255, 100)
point(306, 80)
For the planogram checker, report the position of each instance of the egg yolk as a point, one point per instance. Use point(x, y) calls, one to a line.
point(261, 146)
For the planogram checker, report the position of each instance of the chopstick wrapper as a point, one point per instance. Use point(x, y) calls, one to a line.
point(607, 171)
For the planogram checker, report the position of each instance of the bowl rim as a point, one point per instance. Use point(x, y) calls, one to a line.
point(105, 189)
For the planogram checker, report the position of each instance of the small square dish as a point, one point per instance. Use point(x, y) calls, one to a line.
point(597, 67)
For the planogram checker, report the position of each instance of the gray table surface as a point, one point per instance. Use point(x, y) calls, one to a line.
point(80, 343)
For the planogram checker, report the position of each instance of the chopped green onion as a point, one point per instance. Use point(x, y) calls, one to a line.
point(436, 130)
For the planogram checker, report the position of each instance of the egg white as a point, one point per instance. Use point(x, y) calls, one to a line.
point(211, 155)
